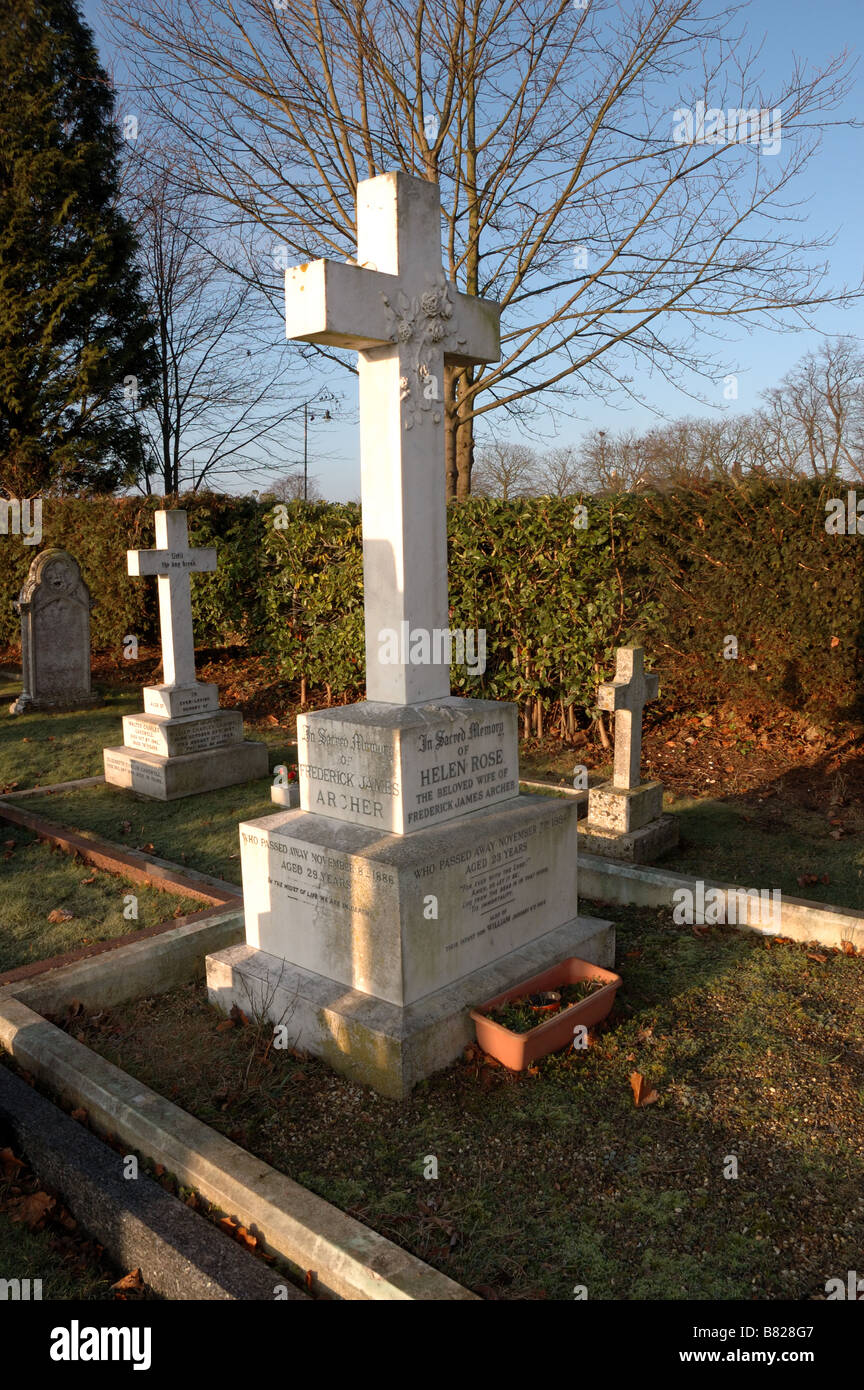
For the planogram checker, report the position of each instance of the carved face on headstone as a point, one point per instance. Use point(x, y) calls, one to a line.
point(59, 577)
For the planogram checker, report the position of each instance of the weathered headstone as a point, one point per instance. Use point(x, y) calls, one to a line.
point(414, 880)
point(54, 607)
point(625, 816)
point(183, 742)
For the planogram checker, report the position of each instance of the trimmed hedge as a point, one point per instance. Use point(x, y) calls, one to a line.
point(679, 572)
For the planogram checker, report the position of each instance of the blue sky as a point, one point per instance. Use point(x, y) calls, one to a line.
point(834, 192)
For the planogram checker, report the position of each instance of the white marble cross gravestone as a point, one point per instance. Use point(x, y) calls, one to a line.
point(406, 321)
point(172, 562)
point(626, 697)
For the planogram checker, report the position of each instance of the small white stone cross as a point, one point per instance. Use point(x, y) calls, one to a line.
point(626, 697)
point(173, 562)
point(407, 321)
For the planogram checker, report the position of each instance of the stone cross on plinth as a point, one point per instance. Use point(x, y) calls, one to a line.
point(413, 879)
point(626, 697)
point(407, 322)
point(183, 742)
point(172, 562)
point(625, 815)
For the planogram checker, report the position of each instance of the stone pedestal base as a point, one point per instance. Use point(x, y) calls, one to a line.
point(25, 704)
point(400, 916)
point(625, 808)
point(166, 779)
point(640, 846)
point(287, 796)
point(183, 743)
point(375, 1042)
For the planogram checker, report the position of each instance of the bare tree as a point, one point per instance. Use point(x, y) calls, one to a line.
point(558, 473)
point(611, 232)
point(222, 393)
point(814, 419)
point(290, 488)
point(505, 470)
point(613, 463)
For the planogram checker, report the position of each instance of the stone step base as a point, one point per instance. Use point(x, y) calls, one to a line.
point(641, 846)
point(370, 1040)
point(178, 736)
point(165, 779)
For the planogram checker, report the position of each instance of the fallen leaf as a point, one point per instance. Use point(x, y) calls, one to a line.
point(643, 1094)
point(246, 1238)
point(308, 1278)
point(60, 914)
point(80, 1115)
point(91, 879)
point(815, 955)
point(835, 641)
point(227, 1225)
point(238, 1016)
point(30, 1210)
point(224, 1025)
point(9, 1164)
point(129, 1282)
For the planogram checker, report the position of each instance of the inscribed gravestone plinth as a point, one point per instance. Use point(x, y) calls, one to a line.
point(183, 742)
point(54, 606)
point(414, 879)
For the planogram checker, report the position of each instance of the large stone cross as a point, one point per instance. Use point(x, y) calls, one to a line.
point(173, 562)
point(407, 321)
point(626, 697)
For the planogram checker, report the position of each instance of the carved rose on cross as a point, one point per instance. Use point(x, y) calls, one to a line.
point(423, 321)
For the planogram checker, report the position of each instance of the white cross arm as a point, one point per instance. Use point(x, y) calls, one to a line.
point(144, 562)
point(616, 695)
point(344, 306)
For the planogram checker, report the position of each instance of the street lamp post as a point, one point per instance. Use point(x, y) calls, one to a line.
point(306, 418)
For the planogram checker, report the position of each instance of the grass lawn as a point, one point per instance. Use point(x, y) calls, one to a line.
point(36, 880)
point(732, 841)
point(197, 831)
point(555, 1179)
point(66, 1274)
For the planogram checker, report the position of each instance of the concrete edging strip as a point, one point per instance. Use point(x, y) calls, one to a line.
point(180, 1253)
point(345, 1258)
point(133, 969)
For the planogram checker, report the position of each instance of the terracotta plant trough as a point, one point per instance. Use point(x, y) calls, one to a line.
point(552, 1030)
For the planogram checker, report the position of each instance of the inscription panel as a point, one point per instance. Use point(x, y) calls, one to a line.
point(402, 918)
point(409, 776)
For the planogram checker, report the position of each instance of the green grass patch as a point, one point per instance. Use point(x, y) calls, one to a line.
point(556, 1179)
point(38, 880)
point(200, 832)
point(71, 1276)
point(732, 843)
